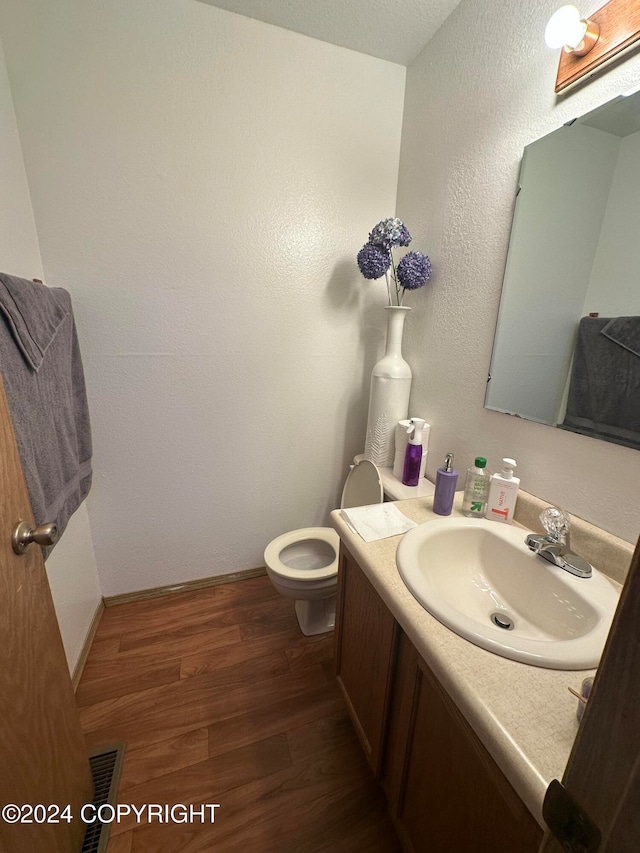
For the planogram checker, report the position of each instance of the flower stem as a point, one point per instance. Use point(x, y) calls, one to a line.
point(395, 281)
point(388, 287)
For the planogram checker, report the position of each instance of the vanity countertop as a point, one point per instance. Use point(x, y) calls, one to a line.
point(524, 715)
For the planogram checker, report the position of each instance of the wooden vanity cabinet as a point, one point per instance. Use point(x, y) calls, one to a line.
point(445, 792)
point(365, 645)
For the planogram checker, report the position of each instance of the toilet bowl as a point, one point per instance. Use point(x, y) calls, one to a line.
point(303, 564)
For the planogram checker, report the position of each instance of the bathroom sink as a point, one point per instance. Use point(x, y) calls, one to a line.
point(479, 579)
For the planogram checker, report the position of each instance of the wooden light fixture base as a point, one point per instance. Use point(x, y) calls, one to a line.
point(619, 23)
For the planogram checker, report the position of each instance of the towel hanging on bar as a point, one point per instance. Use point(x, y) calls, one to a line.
point(604, 390)
point(44, 381)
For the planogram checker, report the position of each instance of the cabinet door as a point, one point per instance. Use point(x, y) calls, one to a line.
point(399, 721)
point(365, 640)
point(454, 797)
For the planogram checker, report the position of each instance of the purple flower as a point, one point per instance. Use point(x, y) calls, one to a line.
point(373, 261)
point(414, 270)
point(390, 232)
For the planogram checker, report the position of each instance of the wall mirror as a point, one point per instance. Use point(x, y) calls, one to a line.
point(567, 344)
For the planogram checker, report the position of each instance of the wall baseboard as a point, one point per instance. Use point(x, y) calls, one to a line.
point(201, 583)
point(86, 646)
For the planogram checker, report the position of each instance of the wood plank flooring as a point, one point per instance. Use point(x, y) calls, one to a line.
point(221, 699)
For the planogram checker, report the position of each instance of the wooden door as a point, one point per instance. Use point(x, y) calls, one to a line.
point(603, 772)
point(43, 760)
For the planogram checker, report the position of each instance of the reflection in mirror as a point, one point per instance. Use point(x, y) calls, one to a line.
point(567, 343)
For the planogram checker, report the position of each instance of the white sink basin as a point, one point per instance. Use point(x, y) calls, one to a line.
point(467, 572)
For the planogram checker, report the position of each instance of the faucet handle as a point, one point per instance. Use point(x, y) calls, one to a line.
point(557, 524)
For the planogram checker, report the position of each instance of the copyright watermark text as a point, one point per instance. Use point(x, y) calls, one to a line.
point(106, 813)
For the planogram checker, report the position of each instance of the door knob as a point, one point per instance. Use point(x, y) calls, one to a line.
point(23, 535)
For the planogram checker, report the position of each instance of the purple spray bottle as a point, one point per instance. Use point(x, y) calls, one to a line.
point(413, 455)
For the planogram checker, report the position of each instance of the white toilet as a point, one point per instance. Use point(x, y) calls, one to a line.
point(303, 564)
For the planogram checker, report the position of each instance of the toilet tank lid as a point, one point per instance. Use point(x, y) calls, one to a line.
point(363, 486)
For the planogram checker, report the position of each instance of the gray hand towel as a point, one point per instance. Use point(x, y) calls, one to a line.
point(604, 391)
point(44, 383)
point(624, 331)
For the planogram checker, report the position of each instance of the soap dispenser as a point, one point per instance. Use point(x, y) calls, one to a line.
point(413, 454)
point(446, 481)
point(503, 493)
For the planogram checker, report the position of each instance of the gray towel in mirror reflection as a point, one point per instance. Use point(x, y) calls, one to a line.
point(624, 331)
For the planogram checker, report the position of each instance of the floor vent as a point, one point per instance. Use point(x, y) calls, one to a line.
point(106, 764)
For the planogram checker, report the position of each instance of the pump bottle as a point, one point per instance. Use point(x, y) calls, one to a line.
point(446, 481)
point(503, 493)
point(413, 454)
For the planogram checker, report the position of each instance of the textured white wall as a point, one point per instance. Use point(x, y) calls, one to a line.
point(474, 100)
point(19, 252)
point(202, 182)
point(71, 568)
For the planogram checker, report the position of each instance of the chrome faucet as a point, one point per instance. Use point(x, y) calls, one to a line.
point(555, 547)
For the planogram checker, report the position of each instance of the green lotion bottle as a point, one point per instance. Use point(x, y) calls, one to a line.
point(476, 489)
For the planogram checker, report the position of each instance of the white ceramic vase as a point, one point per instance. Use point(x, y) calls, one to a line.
point(389, 395)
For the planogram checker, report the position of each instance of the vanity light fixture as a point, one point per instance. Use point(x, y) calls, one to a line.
point(588, 44)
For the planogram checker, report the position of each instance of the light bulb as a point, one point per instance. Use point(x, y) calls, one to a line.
point(565, 28)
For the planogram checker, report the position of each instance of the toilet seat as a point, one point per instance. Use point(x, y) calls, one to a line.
point(303, 564)
point(362, 487)
point(273, 554)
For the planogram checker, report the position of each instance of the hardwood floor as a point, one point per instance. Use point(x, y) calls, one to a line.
point(221, 699)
